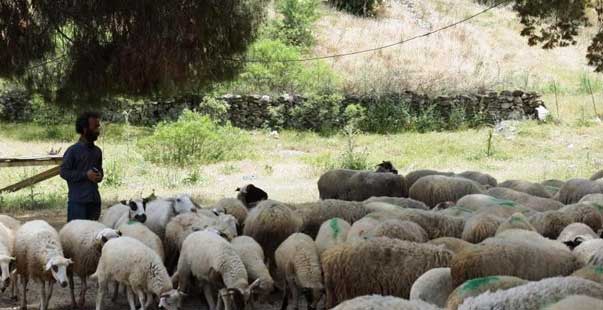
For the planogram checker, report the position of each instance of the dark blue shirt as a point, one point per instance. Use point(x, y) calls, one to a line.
point(77, 160)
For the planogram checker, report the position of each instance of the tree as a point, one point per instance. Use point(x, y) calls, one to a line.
point(84, 49)
point(555, 23)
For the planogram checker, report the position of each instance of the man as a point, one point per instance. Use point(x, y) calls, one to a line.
point(82, 168)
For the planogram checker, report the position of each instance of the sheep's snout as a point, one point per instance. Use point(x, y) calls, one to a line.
point(64, 284)
point(141, 218)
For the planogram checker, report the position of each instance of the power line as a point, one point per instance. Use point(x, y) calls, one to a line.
point(380, 47)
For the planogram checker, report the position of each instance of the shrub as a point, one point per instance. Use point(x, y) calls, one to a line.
point(215, 108)
point(295, 27)
point(318, 112)
point(193, 139)
point(386, 115)
point(357, 7)
point(351, 158)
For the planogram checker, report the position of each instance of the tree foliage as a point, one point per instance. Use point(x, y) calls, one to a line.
point(90, 48)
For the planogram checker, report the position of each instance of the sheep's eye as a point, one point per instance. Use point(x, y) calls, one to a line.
point(55, 268)
point(178, 200)
point(134, 208)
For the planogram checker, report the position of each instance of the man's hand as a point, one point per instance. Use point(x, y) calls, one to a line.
point(94, 176)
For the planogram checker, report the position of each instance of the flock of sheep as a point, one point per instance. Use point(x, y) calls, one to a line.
point(376, 240)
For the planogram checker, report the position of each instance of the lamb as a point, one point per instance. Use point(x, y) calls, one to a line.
point(377, 266)
point(414, 176)
point(484, 179)
point(435, 189)
point(40, 257)
point(476, 287)
point(250, 195)
point(130, 263)
point(331, 233)
point(82, 242)
point(360, 230)
point(590, 252)
point(10, 222)
point(534, 295)
point(160, 211)
point(577, 302)
point(534, 189)
point(253, 258)
point(233, 207)
point(515, 221)
point(313, 214)
point(574, 189)
point(403, 230)
point(143, 234)
point(298, 264)
point(7, 260)
point(526, 200)
point(436, 225)
point(597, 176)
point(401, 202)
point(433, 287)
point(523, 256)
point(480, 227)
point(454, 245)
point(360, 185)
point(576, 230)
point(270, 223)
point(125, 211)
point(378, 302)
point(214, 265)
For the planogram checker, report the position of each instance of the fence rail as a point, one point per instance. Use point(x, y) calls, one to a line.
point(29, 161)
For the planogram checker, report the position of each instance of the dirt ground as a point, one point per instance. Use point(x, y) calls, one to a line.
point(61, 299)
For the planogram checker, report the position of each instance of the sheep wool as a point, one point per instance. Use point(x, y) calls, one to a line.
point(161, 210)
point(598, 175)
point(577, 302)
point(454, 245)
point(534, 295)
point(433, 287)
point(403, 230)
point(313, 214)
point(574, 189)
point(7, 240)
point(534, 189)
point(414, 176)
point(378, 302)
point(590, 272)
point(143, 234)
point(550, 223)
point(575, 230)
point(535, 203)
point(355, 185)
point(378, 266)
point(434, 223)
point(590, 252)
point(435, 189)
point(331, 233)
point(401, 202)
point(253, 258)
point(479, 177)
point(552, 186)
point(475, 287)
point(515, 221)
point(123, 212)
point(10, 222)
point(361, 229)
point(233, 207)
point(480, 203)
point(480, 227)
point(584, 213)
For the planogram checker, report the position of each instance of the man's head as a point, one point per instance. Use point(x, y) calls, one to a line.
point(88, 126)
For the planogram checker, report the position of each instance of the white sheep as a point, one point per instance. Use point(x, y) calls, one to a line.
point(590, 252)
point(143, 234)
point(361, 229)
point(574, 234)
point(433, 287)
point(129, 262)
point(7, 260)
point(40, 257)
point(125, 211)
point(10, 222)
point(534, 295)
point(216, 264)
point(331, 233)
point(82, 242)
point(252, 255)
point(298, 263)
point(379, 302)
point(577, 302)
point(161, 210)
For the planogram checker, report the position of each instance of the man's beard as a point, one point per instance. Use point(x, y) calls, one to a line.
point(91, 136)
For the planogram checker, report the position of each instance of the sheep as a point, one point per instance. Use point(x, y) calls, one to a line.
point(590, 252)
point(398, 201)
point(82, 242)
point(40, 257)
point(577, 302)
point(435, 189)
point(454, 245)
point(7, 260)
point(270, 223)
point(378, 302)
point(534, 295)
point(414, 176)
point(298, 264)
point(386, 166)
point(313, 214)
point(383, 206)
point(527, 259)
point(433, 287)
point(436, 225)
point(487, 204)
point(233, 207)
point(403, 230)
point(250, 195)
point(125, 211)
point(534, 189)
point(480, 227)
point(253, 258)
point(528, 237)
point(145, 235)
point(515, 221)
point(590, 272)
point(598, 175)
point(360, 229)
point(355, 185)
point(484, 179)
point(574, 189)
point(129, 262)
point(215, 265)
point(526, 200)
point(584, 213)
point(552, 186)
point(10, 222)
point(576, 230)
point(594, 198)
point(378, 266)
point(456, 211)
point(161, 210)
point(550, 223)
point(475, 287)
point(331, 233)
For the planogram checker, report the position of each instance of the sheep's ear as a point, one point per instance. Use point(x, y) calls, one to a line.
point(69, 261)
point(123, 202)
point(254, 285)
point(214, 276)
point(238, 189)
point(48, 265)
point(104, 239)
point(133, 205)
point(183, 294)
point(119, 233)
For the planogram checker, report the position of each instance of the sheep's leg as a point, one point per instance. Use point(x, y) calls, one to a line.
point(43, 295)
point(51, 285)
point(83, 291)
point(13, 284)
point(285, 302)
point(102, 289)
point(72, 290)
point(141, 297)
point(209, 296)
point(115, 292)
point(24, 281)
point(294, 292)
point(130, 295)
point(149, 300)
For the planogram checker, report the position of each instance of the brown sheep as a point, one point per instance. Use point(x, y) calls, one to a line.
point(403, 230)
point(435, 224)
point(455, 245)
point(534, 189)
point(482, 178)
point(532, 202)
point(313, 214)
point(480, 227)
point(354, 185)
point(478, 286)
point(378, 266)
point(575, 189)
point(414, 176)
point(597, 176)
point(515, 221)
point(550, 223)
point(401, 202)
point(584, 213)
point(552, 186)
point(435, 189)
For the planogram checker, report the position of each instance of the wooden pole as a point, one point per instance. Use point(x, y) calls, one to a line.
point(33, 180)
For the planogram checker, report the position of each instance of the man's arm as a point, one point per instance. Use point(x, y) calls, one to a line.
point(100, 166)
point(68, 170)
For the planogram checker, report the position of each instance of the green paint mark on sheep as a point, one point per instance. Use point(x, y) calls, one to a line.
point(599, 270)
point(334, 224)
point(504, 203)
point(461, 208)
point(130, 222)
point(477, 283)
point(516, 219)
point(597, 206)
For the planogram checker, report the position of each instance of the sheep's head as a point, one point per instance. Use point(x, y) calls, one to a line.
point(7, 265)
point(386, 167)
point(171, 300)
point(137, 210)
point(238, 298)
point(228, 225)
point(105, 235)
point(58, 267)
point(183, 203)
point(250, 195)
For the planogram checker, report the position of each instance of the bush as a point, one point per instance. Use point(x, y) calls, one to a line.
point(357, 7)
point(386, 115)
point(215, 108)
point(193, 139)
point(351, 158)
point(295, 27)
point(318, 112)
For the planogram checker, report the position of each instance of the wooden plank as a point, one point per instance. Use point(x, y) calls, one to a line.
point(31, 161)
point(33, 180)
